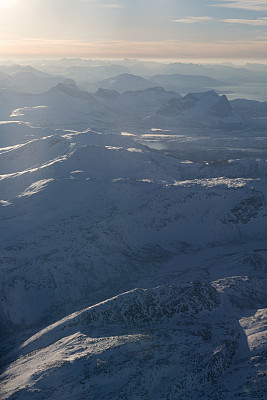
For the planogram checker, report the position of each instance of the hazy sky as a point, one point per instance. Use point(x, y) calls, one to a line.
point(226, 29)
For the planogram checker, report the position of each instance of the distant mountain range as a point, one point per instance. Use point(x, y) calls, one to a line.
point(248, 81)
point(67, 106)
point(177, 82)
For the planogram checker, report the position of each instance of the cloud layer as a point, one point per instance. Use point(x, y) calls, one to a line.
point(253, 22)
point(194, 20)
point(118, 49)
point(253, 5)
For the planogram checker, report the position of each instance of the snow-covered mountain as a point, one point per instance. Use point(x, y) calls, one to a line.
point(251, 108)
point(67, 106)
point(63, 106)
point(204, 108)
point(174, 82)
point(247, 81)
point(63, 183)
point(127, 273)
point(28, 79)
point(136, 105)
point(122, 83)
point(166, 341)
point(150, 327)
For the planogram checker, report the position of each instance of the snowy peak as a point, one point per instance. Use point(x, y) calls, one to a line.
point(198, 105)
point(22, 71)
point(107, 93)
point(222, 108)
point(71, 89)
point(202, 95)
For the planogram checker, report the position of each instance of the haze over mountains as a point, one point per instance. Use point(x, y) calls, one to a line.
point(133, 261)
point(247, 81)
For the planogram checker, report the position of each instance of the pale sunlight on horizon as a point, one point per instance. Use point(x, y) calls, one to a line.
point(170, 29)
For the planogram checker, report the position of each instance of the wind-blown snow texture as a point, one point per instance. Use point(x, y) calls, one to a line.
point(127, 273)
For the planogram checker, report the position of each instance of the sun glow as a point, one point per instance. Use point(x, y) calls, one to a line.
point(7, 3)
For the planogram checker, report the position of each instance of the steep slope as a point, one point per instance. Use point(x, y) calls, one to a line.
point(112, 341)
point(200, 106)
point(174, 341)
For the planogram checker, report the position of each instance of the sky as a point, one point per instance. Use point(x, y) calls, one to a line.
point(157, 29)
